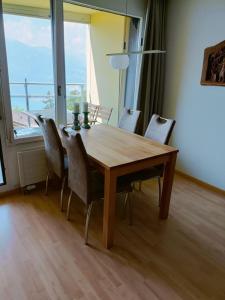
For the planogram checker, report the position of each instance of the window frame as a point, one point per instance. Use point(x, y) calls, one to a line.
point(6, 97)
point(57, 20)
point(57, 23)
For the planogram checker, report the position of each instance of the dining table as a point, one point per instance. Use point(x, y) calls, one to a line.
point(116, 152)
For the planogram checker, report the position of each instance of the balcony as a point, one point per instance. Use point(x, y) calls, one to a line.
point(39, 98)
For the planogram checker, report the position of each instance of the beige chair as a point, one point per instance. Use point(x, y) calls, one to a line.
point(129, 120)
point(93, 112)
point(160, 130)
point(83, 180)
point(56, 157)
point(103, 114)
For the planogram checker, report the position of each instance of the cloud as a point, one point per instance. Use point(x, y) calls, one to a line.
point(30, 31)
point(36, 32)
point(75, 36)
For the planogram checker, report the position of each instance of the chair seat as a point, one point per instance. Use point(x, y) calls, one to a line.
point(123, 186)
point(144, 174)
point(98, 185)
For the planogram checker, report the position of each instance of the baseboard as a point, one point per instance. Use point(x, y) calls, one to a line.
point(201, 183)
point(39, 186)
point(10, 192)
point(189, 177)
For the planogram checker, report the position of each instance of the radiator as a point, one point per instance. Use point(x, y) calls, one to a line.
point(32, 166)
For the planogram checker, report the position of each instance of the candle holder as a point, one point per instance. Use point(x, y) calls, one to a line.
point(76, 122)
point(86, 121)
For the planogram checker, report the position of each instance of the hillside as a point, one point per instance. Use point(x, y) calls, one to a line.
point(35, 64)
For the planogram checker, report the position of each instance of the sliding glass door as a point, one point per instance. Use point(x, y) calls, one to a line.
point(54, 53)
point(28, 41)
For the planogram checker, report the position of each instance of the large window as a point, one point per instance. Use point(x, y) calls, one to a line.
point(28, 39)
point(37, 54)
point(30, 67)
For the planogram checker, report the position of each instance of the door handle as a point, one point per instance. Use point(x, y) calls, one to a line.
point(59, 90)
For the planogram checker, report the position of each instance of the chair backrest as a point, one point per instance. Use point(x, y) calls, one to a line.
point(93, 111)
point(129, 119)
point(53, 146)
point(79, 179)
point(160, 129)
point(104, 114)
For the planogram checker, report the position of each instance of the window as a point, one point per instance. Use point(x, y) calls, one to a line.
point(30, 68)
point(36, 83)
point(28, 39)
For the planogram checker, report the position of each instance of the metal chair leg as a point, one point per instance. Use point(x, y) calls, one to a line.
point(160, 190)
point(140, 185)
point(61, 193)
point(89, 210)
point(68, 205)
point(125, 205)
point(130, 210)
point(46, 184)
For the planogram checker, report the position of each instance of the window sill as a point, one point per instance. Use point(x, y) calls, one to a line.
point(27, 139)
point(26, 135)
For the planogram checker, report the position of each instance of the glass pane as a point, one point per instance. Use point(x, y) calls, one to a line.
point(76, 53)
point(30, 63)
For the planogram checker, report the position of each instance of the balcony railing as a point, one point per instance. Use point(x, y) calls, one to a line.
point(29, 91)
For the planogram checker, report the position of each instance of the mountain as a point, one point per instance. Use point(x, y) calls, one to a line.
point(36, 65)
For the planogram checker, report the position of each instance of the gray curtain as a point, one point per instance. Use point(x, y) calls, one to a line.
point(150, 99)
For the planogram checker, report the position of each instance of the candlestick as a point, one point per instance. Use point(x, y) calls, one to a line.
point(76, 122)
point(76, 107)
point(86, 122)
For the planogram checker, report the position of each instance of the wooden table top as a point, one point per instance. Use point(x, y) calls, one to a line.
point(112, 147)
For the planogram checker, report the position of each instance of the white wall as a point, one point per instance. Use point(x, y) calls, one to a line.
point(199, 110)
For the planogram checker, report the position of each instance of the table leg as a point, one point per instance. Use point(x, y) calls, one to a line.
point(109, 208)
point(167, 186)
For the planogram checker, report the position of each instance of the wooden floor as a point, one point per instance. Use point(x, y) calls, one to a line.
point(42, 256)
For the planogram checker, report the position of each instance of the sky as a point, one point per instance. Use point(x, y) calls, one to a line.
point(36, 32)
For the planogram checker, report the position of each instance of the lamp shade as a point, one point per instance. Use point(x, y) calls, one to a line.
point(119, 62)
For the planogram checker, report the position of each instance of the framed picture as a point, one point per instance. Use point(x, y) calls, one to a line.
point(213, 71)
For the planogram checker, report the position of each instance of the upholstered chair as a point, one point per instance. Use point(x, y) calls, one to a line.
point(160, 130)
point(129, 119)
point(55, 154)
point(83, 180)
